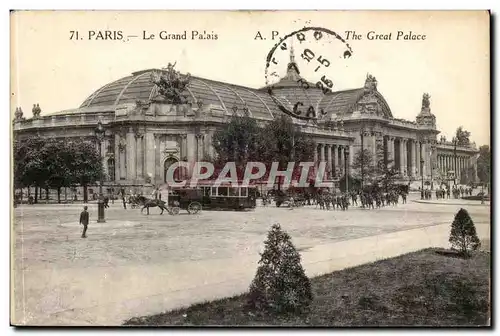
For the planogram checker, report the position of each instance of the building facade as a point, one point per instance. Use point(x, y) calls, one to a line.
point(154, 118)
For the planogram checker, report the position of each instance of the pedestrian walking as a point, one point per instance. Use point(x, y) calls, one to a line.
point(84, 220)
point(124, 202)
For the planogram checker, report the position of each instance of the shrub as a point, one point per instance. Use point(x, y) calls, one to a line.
point(280, 284)
point(463, 234)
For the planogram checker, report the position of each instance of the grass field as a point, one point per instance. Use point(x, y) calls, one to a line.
point(424, 288)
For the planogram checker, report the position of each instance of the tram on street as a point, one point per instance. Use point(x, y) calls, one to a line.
point(208, 195)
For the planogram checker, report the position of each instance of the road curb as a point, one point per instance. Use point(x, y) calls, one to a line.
point(440, 203)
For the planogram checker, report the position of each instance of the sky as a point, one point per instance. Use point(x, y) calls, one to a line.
point(58, 72)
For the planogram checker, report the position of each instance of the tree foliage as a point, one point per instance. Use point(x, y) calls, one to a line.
point(280, 284)
point(462, 137)
point(463, 234)
point(29, 162)
point(238, 141)
point(55, 163)
point(243, 140)
point(362, 162)
point(484, 164)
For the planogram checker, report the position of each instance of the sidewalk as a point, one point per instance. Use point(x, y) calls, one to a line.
point(453, 201)
point(111, 295)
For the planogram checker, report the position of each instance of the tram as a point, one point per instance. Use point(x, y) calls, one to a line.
point(208, 195)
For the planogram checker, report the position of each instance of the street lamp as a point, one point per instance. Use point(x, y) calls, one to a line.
point(422, 175)
point(346, 166)
point(99, 133)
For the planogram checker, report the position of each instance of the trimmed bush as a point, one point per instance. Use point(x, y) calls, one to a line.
point(463, 236)
point(280, 284)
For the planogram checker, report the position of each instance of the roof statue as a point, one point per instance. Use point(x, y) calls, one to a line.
point(370, 83)
point(18, 115)
point(426, 101)
point(171, 84)
point(36, 110)
point(425, 117)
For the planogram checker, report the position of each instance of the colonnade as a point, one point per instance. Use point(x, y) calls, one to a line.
point(451, 162)
point(138, 155)
point(335, 156)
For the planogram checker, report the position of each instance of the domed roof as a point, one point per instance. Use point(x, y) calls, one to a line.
point(260, 104)
point(139, 86)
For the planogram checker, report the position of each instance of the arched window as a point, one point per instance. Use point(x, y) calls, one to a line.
point(111, 169)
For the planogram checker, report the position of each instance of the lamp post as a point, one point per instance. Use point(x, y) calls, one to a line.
point(99, 133)
point(422, 175)
point(346, 167)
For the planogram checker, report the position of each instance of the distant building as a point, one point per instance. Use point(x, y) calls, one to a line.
point(153, 120)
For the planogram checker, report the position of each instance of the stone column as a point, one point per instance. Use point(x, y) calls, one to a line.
point(342, 161)
point(131, 156)
point(150, 155)
point(402, 154)
point(336, 158)
point(315, 152)
point(390, 151)
point(208, 149)
point(123, 161)
point(424, 156)
point(140, 155)
point(329, 160)
point(199, 146)
point(191, 147)
point(413, 159)
point(191, 151)
point(183, 145)
point(417, 158)
point(322, 152)
point(351, 155)
point(117, 157)
point(158, 177)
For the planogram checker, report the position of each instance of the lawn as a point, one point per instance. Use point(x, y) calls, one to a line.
point(424, 288)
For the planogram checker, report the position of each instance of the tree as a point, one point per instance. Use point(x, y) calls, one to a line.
point(30, 164)
point(237, 141)
point(280, 284)
point(58, 163)
point(85, 164)
point(362, 160)
point(462, 137)
point(282, 141)
point(463, 234)
point(484, 164)
point(467, 176)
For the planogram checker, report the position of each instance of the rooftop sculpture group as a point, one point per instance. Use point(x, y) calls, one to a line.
point(171, 84)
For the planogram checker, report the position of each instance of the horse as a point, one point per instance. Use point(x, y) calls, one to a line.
point(151, 203)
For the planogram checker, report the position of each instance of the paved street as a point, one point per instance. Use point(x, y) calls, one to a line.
point(136, 264)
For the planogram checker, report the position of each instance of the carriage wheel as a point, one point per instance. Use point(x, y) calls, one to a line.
point(175, 211)
point(194, 207)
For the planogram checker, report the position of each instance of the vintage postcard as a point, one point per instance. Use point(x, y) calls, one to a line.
point(250, 168)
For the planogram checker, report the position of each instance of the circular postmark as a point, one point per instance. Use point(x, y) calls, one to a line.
point(309, 56)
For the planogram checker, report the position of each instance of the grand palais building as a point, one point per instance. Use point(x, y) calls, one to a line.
point(144, 134)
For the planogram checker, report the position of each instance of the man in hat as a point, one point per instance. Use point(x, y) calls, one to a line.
point(84, 220)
